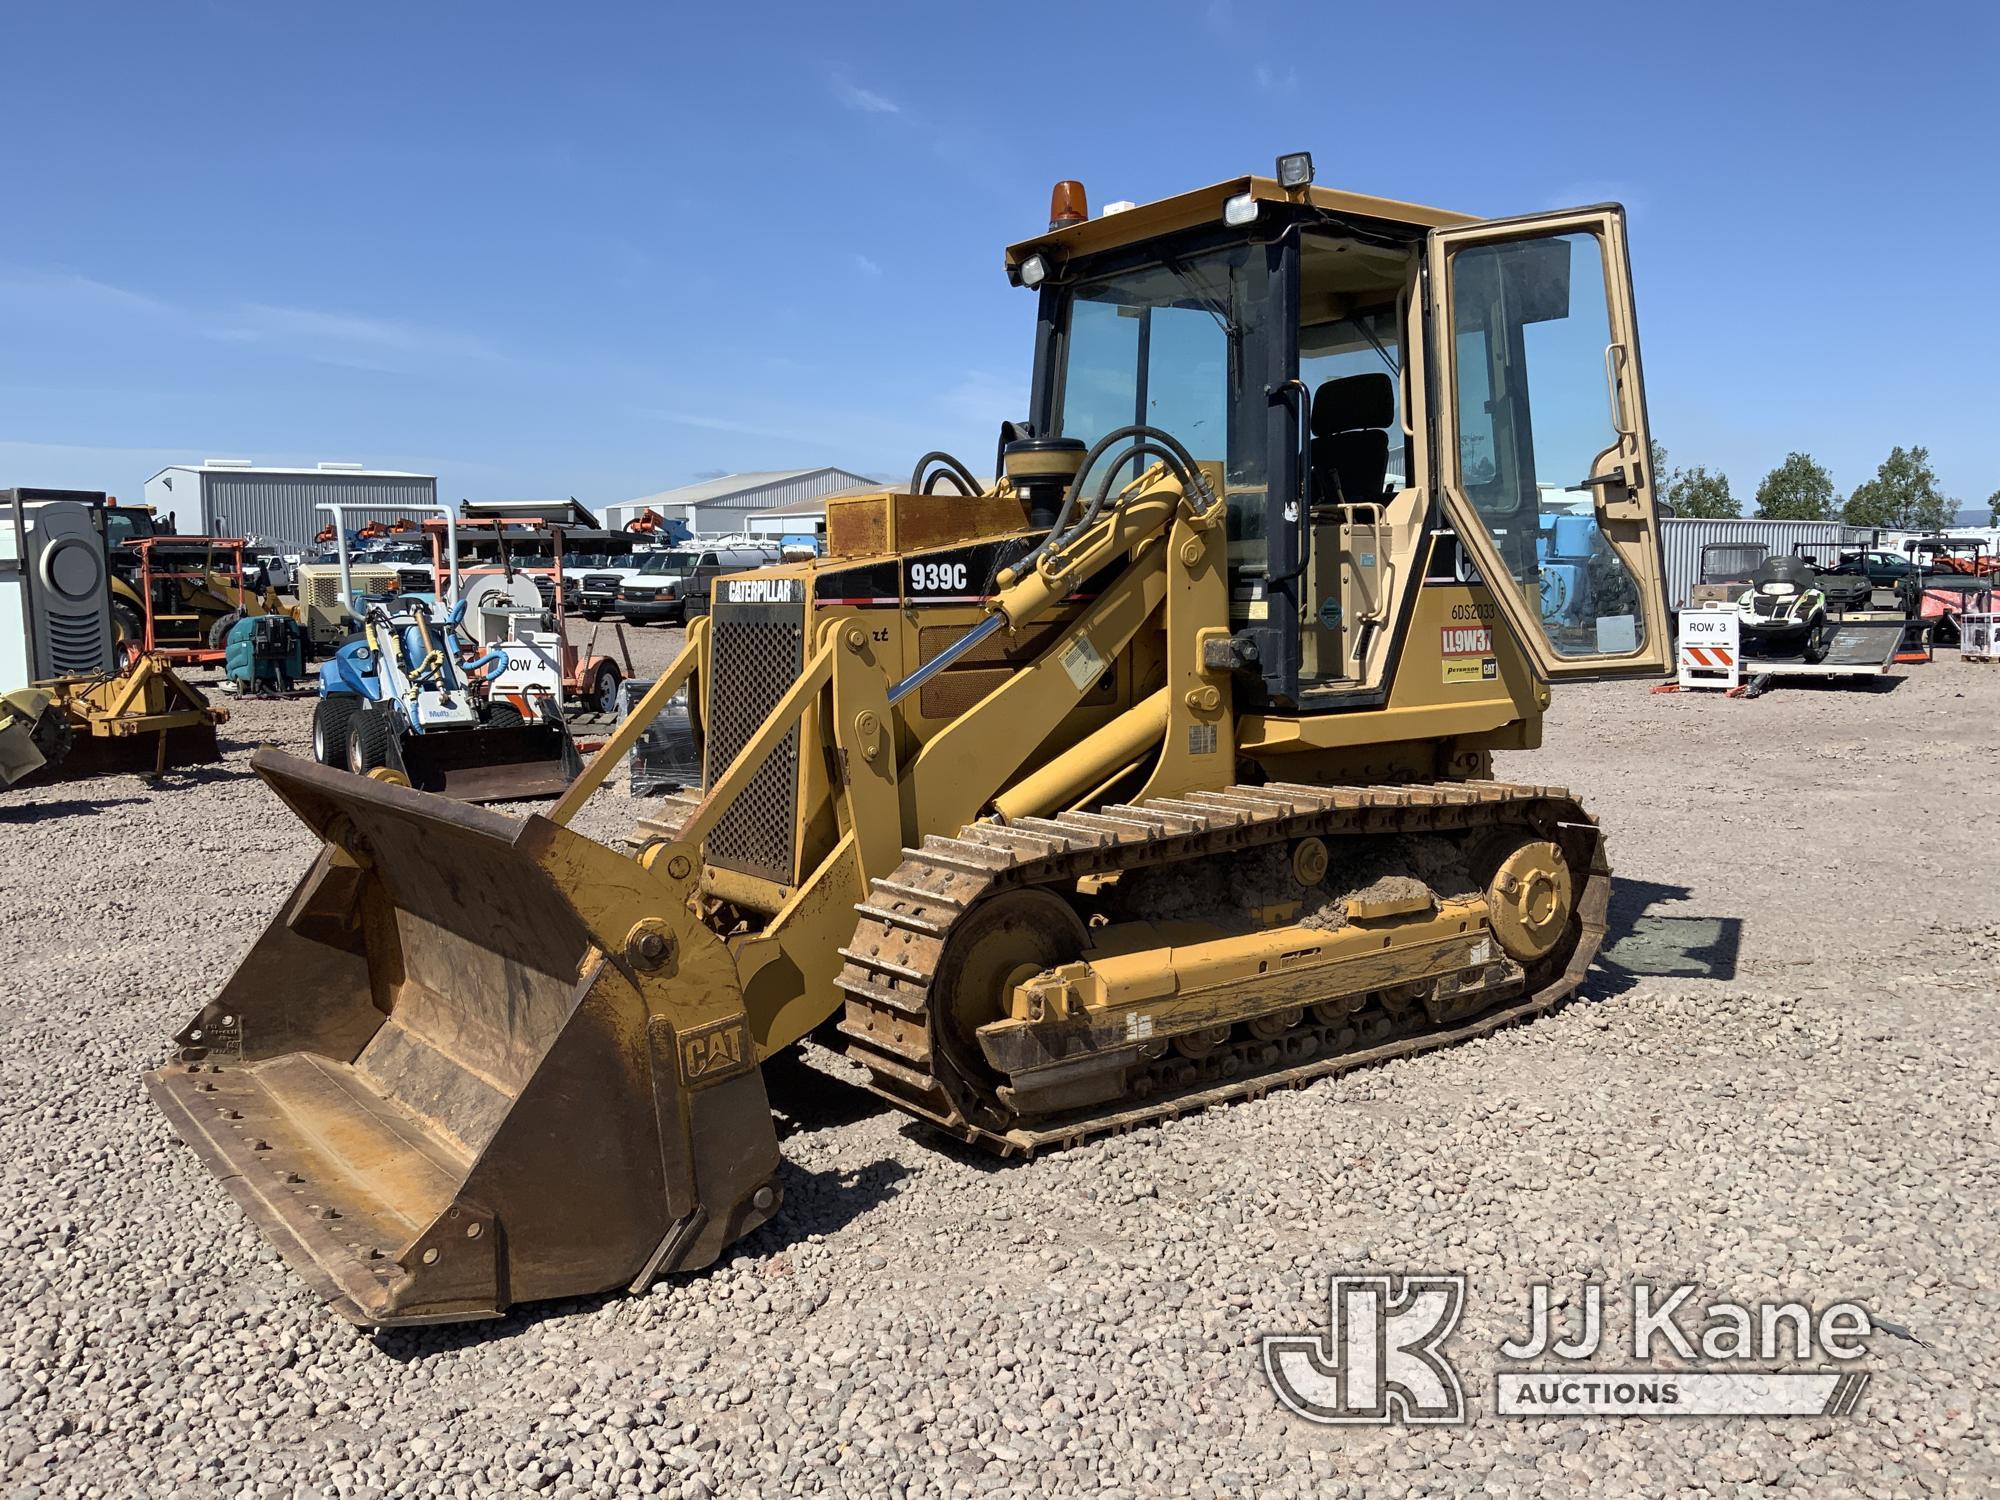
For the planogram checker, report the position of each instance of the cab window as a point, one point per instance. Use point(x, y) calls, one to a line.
point(1532, 325)
point(1161, 345)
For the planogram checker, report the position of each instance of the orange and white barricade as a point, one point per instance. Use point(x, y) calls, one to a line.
point(1709, 655)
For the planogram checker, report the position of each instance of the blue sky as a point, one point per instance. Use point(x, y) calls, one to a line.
point(604, 249)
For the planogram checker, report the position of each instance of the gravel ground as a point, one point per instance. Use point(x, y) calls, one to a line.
point(1781, 1082)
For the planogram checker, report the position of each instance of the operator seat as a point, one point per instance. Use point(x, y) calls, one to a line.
point(1350, 438)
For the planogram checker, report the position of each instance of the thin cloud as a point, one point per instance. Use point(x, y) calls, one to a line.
point(340, 338)
point(1270, 81)
point(866, 101)
point(708, 423)
point(265, 321)
point(982, 398)
point(353, 341)
point(866, 266)
point(68, 287)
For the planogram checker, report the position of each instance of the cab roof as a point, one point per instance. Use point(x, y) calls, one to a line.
point(1204, 206)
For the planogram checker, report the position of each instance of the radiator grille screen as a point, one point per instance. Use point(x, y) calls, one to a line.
point(756, 653)
point(77, 644)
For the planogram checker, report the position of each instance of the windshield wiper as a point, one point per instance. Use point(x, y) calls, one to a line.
point(1374, 343)
point(1208, 301)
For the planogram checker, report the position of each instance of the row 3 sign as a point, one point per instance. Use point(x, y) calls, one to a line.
point(1709, 655)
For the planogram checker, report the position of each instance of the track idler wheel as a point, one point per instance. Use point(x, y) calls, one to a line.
point(1200, 1043)
point(1001, 943)
point(1531, 898)
point(1333, 1012)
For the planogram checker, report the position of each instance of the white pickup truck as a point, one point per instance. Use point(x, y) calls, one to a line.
point(600, 577)
point(657, 592)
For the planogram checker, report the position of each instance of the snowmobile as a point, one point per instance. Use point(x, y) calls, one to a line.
point(1783, 612)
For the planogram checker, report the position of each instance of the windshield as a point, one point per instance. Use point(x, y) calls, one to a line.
point(1162, 345)
point(672, 564)
point(1150, 346)
point(124, 525)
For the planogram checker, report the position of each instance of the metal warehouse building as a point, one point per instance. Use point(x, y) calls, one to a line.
point(725, 506)
point(276, 506)
point(1683, 537)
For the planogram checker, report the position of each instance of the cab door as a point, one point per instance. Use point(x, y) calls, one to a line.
point(1544, 461)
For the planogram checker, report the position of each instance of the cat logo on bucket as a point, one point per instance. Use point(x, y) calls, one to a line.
point(714, 1051)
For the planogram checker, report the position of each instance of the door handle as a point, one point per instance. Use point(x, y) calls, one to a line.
point(1613, 391)
point(1616, 476)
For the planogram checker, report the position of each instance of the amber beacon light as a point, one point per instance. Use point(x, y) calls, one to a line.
point(1067, 204)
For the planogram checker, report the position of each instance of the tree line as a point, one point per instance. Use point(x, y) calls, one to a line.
point(1903, 495)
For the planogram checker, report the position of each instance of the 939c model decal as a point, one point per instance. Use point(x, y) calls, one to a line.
point(930, 578)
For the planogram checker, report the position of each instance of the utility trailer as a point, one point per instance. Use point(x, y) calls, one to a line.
point(1862, 646)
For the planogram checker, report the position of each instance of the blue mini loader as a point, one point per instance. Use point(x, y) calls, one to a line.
point(398, 704)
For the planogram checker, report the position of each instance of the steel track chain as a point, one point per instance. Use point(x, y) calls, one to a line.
point(909, 915)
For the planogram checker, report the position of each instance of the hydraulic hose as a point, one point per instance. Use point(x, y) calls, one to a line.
point(1146, 440)
point(948, 468)
point(494, 658)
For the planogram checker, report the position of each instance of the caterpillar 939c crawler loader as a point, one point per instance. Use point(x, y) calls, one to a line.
point(1154, 775)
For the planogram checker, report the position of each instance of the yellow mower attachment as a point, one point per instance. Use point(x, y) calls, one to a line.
point(145, 717)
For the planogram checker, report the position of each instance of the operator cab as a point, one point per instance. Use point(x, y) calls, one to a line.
point(1294, 340)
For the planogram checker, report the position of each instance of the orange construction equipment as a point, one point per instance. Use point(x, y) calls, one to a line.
point(182, 590)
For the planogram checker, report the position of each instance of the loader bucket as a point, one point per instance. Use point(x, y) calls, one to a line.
point(499, 764)
point(474, 1061)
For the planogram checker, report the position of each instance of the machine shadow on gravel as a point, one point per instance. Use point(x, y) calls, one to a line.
point(821, 1203)
point(35, 812)
point(178, 778)
point(807, 1099)
point(219, 774)
point(1642, 944)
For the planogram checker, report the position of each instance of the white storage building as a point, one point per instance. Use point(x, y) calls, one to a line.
point(276, 505)
point(727, 505)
